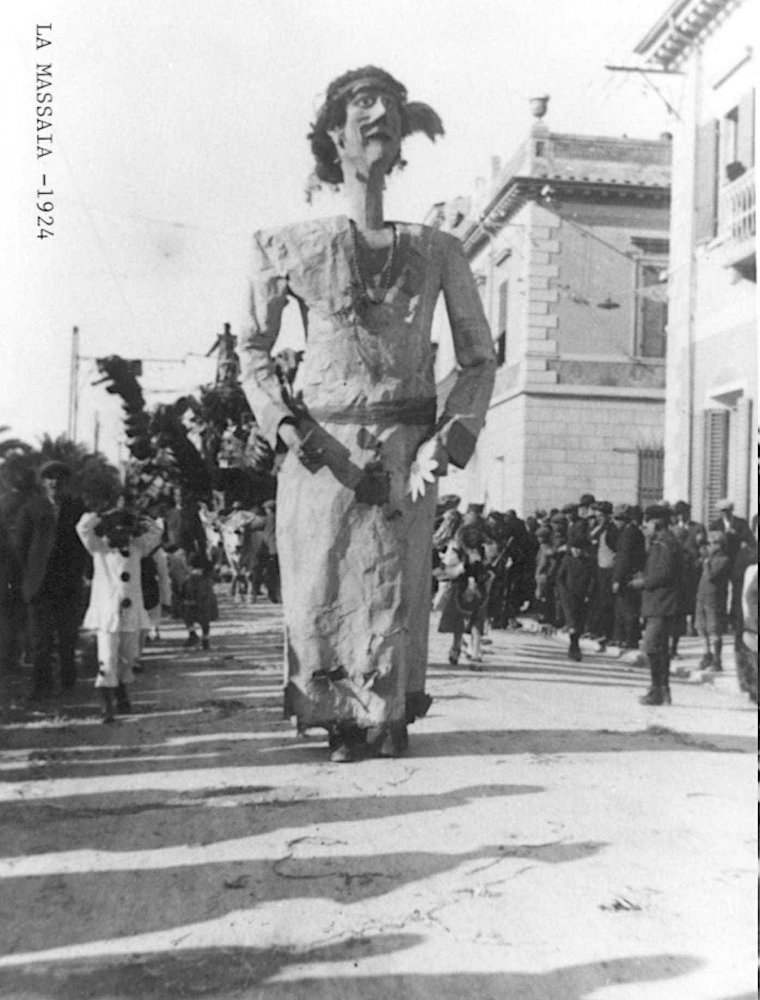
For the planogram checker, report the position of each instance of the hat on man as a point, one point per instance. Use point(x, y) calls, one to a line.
point(621, 511)
point(586, 500)
point(681, 507)
point(475, 508)
point(656, 512)
point(55, 470)
point(724, 504)
point(570, 508)
point(603, 506)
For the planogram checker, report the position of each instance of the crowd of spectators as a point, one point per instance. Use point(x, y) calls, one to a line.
point(589, 567)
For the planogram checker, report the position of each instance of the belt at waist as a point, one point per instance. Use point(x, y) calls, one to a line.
point(421, 412)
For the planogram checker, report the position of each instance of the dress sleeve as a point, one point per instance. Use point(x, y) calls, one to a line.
point(467, 403)
point(268, 298)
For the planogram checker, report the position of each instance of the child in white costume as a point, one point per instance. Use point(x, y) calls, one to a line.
point(117, 541)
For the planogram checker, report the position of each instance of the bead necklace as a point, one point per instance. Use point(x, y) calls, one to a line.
point(375, 295)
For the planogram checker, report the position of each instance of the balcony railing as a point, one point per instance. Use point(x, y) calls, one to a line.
point(736, 219)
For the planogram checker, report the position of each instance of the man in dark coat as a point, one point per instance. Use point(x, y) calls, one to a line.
point(53, 563)
point(630, 559)
point(12, 611)
point(659, 585)
point(738, 535)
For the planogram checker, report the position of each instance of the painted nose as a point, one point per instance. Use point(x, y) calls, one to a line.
point(379, 109)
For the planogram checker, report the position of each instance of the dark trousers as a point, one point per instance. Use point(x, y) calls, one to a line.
point(54, 619)
point(12, 626)
point(272, 578)
point(627, 617)
point(602, 622)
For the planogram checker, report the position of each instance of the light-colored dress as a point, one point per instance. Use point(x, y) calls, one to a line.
point(356, 575)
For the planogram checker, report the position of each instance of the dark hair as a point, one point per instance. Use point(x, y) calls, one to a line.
point(415, 117)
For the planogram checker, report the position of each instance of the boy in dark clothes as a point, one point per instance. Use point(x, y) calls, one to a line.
point(575, 581)
point(198, 601)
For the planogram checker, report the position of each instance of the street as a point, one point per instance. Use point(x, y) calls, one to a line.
point(546, 838)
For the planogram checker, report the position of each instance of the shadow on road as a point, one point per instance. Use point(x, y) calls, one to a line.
point(280, 975)
point(159, 891)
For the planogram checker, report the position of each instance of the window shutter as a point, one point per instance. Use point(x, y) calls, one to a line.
point(746, 138)
point(707, 181)
point(650, 480)
point(715, 460)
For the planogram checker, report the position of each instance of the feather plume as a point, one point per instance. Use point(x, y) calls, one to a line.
point(419, 117)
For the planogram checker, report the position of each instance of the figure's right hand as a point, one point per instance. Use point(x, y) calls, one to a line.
point(289, 436)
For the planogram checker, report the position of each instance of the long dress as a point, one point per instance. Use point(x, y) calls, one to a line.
point(356, 577)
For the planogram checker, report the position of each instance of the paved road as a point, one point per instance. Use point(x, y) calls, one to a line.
point(547, 838)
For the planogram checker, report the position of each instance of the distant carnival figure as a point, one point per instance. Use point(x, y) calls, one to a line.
point(357, 499)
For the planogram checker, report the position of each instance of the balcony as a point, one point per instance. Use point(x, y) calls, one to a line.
point(735, 243)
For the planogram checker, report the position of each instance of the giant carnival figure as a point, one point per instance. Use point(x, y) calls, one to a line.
point(356, 496)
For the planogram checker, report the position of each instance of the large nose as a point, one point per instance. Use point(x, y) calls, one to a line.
point(380, 108)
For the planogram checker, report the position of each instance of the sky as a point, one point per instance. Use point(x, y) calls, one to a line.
point(179, 129)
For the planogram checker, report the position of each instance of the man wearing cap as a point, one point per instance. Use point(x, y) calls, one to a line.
point(53, 563)
point(659, 585)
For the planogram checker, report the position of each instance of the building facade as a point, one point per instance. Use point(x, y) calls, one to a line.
point(569, 246)
point(711, 408)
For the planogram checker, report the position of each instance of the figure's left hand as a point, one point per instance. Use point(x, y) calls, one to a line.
point(430, 461)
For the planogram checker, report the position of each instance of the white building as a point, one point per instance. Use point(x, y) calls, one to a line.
point(711, 409)
point(569, 245)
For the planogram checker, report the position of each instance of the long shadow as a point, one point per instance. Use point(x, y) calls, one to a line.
point(74, 908)
point(258, 973)
point(220, 813)
point(281, 747)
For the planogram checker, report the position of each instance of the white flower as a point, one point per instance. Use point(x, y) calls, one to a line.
point(423, 469)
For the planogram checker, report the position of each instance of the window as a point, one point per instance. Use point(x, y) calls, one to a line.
point(651, 309)
point(650, 479)
point(729, 142)
point(501, 339)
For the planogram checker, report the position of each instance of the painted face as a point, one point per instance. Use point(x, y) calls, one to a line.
point(52, 489)
point(372, 132)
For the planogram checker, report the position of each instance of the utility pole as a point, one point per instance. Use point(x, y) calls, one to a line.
point(74, 385)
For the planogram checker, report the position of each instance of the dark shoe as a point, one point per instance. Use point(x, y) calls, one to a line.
point(654, 696)
point(574, 651)
point(123, 706)
point(204, 644)
point(453, 657)
point(192, 639)
point(343, 754)
point(706, 661)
